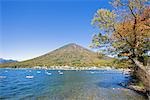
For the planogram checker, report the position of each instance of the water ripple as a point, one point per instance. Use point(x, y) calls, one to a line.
point(64, 85)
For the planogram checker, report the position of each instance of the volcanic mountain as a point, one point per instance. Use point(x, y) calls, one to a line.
point(70, 55)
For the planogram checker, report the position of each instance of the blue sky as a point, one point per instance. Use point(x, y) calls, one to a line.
point(30, 28)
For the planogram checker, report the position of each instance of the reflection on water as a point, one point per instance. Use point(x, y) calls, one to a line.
point(30, 84)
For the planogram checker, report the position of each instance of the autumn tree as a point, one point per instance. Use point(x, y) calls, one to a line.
point(125, 31)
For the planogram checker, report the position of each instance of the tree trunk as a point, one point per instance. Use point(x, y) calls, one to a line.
point(138, 64)
point(143, 74)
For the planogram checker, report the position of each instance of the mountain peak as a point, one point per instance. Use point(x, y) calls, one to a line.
point(74, 48)
point(73, 44)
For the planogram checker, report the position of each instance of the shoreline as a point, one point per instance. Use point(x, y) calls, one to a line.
point(136, 85)
point(125, 70)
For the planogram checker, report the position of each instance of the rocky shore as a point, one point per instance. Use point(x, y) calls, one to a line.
point(136, 85)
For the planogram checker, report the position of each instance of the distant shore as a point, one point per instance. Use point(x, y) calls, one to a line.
point(123, 70)
point(72, 68)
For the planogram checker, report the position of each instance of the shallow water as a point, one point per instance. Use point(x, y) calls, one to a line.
point(31, 84)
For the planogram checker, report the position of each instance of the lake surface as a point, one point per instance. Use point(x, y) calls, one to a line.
point(31, 84)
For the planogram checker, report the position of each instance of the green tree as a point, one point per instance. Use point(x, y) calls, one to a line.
point(125, 30)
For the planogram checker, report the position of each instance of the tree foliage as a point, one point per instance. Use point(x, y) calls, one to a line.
point(126, 29)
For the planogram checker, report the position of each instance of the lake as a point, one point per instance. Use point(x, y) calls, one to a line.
point(36, 84)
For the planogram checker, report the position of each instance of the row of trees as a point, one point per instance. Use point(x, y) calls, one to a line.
point(125, 30)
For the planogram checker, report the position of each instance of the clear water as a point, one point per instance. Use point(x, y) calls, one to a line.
point(31, 84)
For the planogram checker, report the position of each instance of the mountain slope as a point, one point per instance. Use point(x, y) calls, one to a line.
point(71, 55)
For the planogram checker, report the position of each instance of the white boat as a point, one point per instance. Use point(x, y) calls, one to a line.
point(30, 71)
point(38, 72)
point(2, 77)
point(92, 72)
point(48, 73)
point(29, 76)
point(61, 73)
